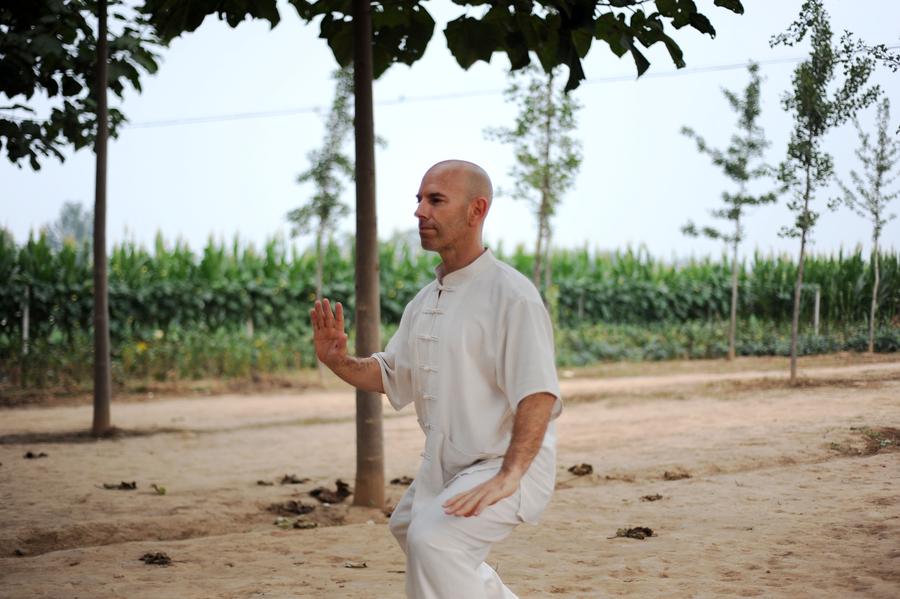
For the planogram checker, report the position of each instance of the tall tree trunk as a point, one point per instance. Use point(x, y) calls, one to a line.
point(874, 299)
point(795, 320)
point(538, 249)
point(544, 210)
point(548, 263)
point(102, 376)
point(732, 326)
point(369, 436)
point(320, 259)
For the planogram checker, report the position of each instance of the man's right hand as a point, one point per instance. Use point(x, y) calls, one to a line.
point(329, 337)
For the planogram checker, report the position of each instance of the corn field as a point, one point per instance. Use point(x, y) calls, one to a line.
point(233, 309)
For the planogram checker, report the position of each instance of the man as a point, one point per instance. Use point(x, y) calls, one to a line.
point(474, 353)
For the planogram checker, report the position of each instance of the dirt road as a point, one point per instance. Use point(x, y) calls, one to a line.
point(791, 492)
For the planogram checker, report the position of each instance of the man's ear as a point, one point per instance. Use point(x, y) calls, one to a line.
point(477, 210)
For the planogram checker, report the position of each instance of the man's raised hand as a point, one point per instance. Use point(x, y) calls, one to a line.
point(329, 337)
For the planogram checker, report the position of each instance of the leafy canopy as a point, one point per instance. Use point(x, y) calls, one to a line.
point(879, 159)
point(48, 52)
point(741, 162)
point(558, 32)
point(816, 108)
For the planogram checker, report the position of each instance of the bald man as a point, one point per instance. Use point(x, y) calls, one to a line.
point(474, 354)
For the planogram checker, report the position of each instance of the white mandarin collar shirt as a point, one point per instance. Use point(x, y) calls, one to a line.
point(470, 346)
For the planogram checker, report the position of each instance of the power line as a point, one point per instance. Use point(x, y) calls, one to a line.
point(287, 112)
point(446, 96)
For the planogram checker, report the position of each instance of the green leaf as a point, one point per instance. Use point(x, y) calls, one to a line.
point(734, 6)
point(702, 24)
point(339, 35)
point(469, 40)
point(640, 61)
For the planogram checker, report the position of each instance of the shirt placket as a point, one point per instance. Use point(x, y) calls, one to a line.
point(430, 341)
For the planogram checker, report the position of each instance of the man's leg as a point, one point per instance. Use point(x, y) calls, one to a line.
point(445, 554)
point(401, 515)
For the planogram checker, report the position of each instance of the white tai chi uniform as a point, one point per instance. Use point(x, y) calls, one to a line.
point(470, 346)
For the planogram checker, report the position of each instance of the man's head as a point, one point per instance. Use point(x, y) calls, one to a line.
point(453, 201)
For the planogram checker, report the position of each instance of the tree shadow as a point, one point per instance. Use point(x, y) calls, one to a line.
point(82, 436)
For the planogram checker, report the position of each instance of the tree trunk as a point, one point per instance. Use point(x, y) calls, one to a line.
point(548, 263)
point(369, 442)
point(544, 209)
point(732, 326)
point(319, 268)
point(102, 377)
point(538, 251)
point(874, 306)
point(795, 321)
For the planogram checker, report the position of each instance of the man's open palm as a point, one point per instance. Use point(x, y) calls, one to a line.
point(329, 337)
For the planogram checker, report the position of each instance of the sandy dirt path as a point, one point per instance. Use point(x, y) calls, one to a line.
point(786, 495)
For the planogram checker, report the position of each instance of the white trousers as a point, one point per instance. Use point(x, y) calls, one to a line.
point(445, 555)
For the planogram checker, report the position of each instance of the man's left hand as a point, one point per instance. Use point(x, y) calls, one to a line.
point(477, 499)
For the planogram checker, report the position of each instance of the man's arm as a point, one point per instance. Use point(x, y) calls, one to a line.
point(330, 342)
point(529, 426)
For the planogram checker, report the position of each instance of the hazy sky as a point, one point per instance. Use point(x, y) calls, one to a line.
point(639, 182)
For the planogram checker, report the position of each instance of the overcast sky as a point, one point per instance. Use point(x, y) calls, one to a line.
point(639, 182)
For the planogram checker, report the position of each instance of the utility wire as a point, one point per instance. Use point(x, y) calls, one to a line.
point(284, 112)
point(446, 96)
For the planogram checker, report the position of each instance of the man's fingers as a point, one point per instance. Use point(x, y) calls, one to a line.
point(339, 309)
point(316, 315)
point(451, 503)
point(465, 503)
point(486, 501)
point(326, 309)
point(320, 315)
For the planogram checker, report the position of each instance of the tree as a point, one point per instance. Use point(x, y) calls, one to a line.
point(871, 197)
point(373, 36)
point(102, 372)
point(48, 46)
point(328, 166)
point(741, 162)
point(74, 225)
point(807, 167)
point(547, 156)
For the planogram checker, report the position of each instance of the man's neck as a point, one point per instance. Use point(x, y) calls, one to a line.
point(452, 260)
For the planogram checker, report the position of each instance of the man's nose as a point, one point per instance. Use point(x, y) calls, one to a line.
point(421, 211)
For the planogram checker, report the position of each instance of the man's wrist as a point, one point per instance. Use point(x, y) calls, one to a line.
point(511, 473)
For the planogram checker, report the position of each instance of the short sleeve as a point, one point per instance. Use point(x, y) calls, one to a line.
point(396, 371)
point(526, 358)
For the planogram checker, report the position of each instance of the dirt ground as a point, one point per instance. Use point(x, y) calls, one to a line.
point(759, 489)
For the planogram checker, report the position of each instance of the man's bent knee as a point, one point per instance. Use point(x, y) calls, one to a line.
point(398, 525)
point(430, 536)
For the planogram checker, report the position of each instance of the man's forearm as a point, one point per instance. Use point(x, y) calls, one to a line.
point(362, 373)
point(529, 427)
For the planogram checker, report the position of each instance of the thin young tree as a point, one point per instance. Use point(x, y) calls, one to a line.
point(870, 200)
point(74, 225)
point(329, 168)
point(742, 162)
point(807, 167)
point(547, 156)
point(50, 49)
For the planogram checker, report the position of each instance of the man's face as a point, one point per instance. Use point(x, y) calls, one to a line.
point(443, 210)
